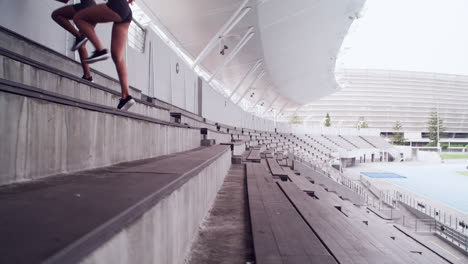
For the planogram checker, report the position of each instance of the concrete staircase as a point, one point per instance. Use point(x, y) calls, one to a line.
point(83, 182)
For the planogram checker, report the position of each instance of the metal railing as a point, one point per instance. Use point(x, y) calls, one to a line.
point(453, 230)
point(452, 235)
point(436, 227)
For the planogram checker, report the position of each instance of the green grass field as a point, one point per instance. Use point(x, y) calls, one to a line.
point(454, 156)
point(464, 173)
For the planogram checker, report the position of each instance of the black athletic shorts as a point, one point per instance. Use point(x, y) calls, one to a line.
point(122, 8)
point(83, 4)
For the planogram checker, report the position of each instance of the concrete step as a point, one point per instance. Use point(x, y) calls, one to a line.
point(30, 49)
point(225, 236)
point(146, 211)
point(27, 62)
point(45, 133)
point(17, 68)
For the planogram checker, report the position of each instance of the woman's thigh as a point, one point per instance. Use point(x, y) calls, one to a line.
point(67, 12)
point(98, 14)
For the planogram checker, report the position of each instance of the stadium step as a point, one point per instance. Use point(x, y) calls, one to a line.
point(60, 133)
point(45, 133)
point(229, 217)
point(146, 211)
point(17, 44)
point(49, 77)
point(368, 142)
point(50, 71)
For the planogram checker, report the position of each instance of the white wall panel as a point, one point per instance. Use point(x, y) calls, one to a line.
point(177, 81)
point(138, 63)
point(32, 19)
point(191, 83)
point(162, 68)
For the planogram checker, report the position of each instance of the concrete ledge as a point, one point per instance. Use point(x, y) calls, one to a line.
point(165, 233)
point(41, 138)
point(220, 137)
point(35, 51)
point(24, 71)
point(208, 142)
point(237, 147)
point(156, 205)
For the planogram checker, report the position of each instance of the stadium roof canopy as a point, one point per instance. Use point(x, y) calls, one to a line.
point(277, 54)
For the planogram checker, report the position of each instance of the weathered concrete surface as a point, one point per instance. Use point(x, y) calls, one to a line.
point(40, 139)
point(219, 137)
point(164, 234)
point(329, 183)
point(65, 218)
point(59, 61)
point(225, 236)
point(23, 73)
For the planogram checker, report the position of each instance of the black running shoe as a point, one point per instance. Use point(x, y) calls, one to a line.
point(126, 103)
point(79, 41)
point(89, 79)
point(98, 55)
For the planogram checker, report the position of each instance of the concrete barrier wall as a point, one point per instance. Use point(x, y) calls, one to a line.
point(41, 139)
point(165, 233)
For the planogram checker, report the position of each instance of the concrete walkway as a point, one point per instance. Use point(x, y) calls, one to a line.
point(225, 236)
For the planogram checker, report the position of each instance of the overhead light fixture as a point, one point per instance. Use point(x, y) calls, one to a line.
point(223, 50)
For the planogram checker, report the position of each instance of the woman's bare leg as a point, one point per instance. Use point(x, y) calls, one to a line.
point(86, 18)
point(63, 16)
point(119, 42)
point(83, 56)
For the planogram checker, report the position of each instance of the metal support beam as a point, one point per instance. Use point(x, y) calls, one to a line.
point(225, 29)
point(247, 36)
point(258, 78)
point(249, 73)
point(272, 102)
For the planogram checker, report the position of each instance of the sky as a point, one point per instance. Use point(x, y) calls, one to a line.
point(414, 35)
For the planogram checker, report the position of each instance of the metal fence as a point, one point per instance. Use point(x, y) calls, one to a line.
point(433, 226)
point(450, 228)
point(386, 202)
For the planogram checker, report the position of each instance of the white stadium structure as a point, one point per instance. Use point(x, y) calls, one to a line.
point(224, 157)
point(384, 97)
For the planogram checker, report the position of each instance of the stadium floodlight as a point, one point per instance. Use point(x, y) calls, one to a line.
point(247, 36)
point(225, 29)
point(260, 76)
point(246, 76)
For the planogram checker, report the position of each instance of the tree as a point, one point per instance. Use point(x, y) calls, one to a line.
point(295, 120)
point(432, 126)
point(398, 138)
point(327, 120)
point(361, 123)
